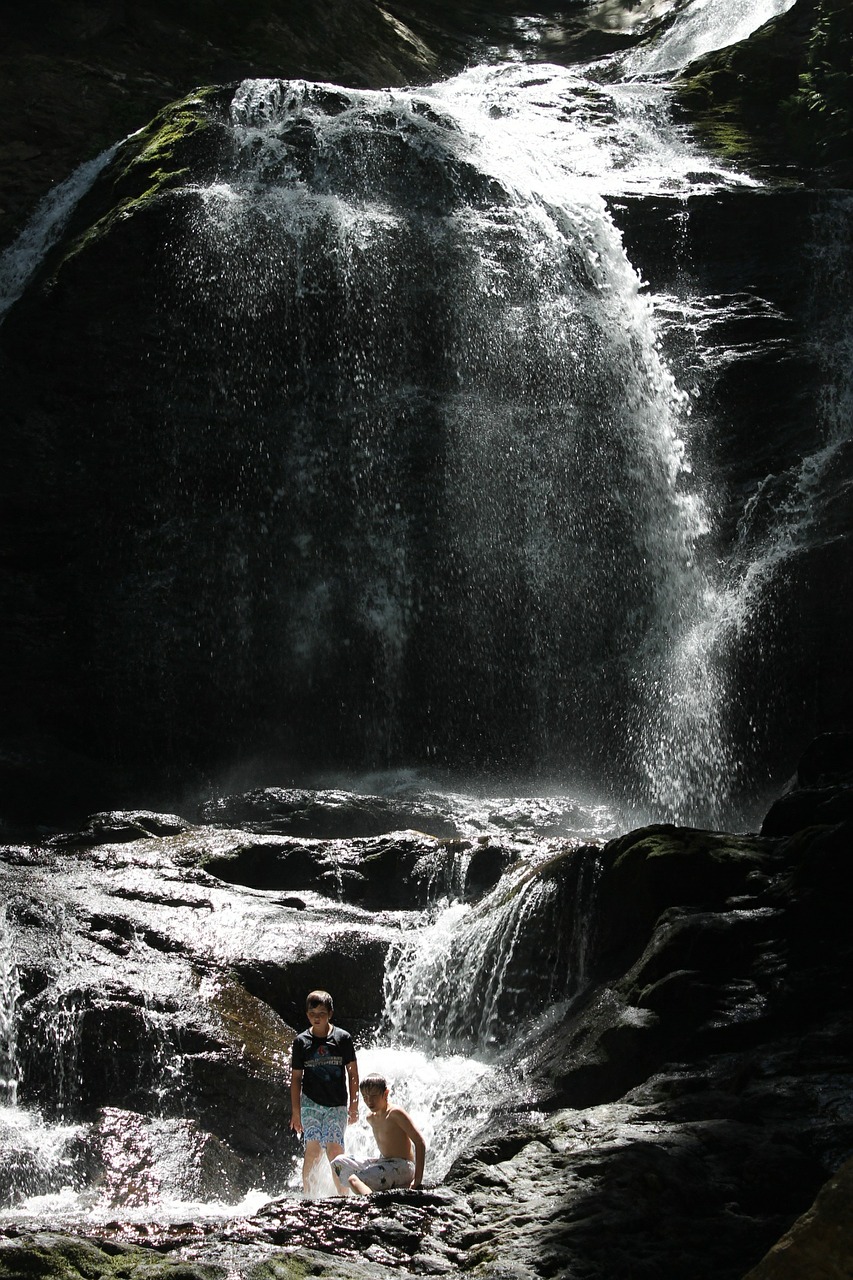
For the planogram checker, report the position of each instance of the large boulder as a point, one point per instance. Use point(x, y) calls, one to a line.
point(820, 1243)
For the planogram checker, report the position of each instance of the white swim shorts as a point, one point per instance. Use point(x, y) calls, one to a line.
point(379, 1173)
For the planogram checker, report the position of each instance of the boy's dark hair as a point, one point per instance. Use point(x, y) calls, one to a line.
point(373, 1084)
point(316, 998)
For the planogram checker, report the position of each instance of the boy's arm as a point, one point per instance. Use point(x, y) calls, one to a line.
point(413, 1133)
point(296, 1101)
point(352, 1080)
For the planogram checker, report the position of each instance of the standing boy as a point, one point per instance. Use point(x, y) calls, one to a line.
point(402, 1147)
point(323, 1065)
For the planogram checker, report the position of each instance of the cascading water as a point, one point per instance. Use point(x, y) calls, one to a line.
point(700, 28)
point(10, 992)
point(19, 262)
point(481, 438)
point(464, 991)
point(34, 1156)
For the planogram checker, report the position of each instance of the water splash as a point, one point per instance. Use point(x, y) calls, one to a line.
point(10, 994)
point(19, 263)
point(700, 28)
point(37, 1158)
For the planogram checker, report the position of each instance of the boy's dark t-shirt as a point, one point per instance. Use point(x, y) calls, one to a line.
point(323, 1065)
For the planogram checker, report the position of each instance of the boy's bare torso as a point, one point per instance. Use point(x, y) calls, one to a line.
point(390, 1138)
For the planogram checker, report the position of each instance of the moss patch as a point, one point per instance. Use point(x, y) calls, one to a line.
point(55, 1257)
point(782, 97)
point(182, 141)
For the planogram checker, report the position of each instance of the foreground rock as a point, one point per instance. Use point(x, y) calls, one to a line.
point(820, 1243)
point(683, 1067)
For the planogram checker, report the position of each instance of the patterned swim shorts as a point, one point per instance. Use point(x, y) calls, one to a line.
point(323, 1124)
point(380, 1173)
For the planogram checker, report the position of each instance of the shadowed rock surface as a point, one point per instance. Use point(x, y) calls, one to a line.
point(820, 1243)
point(682, 1111)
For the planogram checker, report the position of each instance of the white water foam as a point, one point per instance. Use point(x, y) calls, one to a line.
point(21, 260)
point(700, 28)
point(10, 994)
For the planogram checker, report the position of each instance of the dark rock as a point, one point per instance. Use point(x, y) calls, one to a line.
point(820, 1243)
point(663, 866)
point(403, 870)
point(826, 761)
point(486, 865)
point(324, 815)
point(809, 807)
point(333, 969)
point(121, 826)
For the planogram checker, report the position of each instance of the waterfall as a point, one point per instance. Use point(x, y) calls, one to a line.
point(477, 467)
point(56, 1035)
point(455, 478)
point(463, 989)
point(792, 510)
point(21, 260)
point(700, 28)
point(10, 994)
point(465, 983)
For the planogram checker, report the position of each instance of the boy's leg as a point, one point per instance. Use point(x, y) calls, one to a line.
point(336, 1149)
point(310, 1160)
point(359, 1187)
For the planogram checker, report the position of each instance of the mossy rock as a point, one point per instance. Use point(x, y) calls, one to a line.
point(182, 144)
point(57, 1257)
point(304, 1263)
point(783, 96)
point(662, 866)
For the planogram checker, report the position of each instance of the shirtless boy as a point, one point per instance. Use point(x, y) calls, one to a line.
point(323, 1065)
point(402, 1148)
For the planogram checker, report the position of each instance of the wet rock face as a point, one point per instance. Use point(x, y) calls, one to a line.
point(691, 1094)
point(783, 94)
point(325, 814)
point(820, 1242)
point(150, 986)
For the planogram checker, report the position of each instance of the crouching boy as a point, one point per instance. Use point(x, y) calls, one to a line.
point(401, 1146)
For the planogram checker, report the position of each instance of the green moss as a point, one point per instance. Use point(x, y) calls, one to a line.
point(55, 1257)
point(307, 1262)
point(785, 95)
point(178, 143)
point(161, 147)
point(282, 1266)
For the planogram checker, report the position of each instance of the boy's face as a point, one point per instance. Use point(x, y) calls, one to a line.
point(374, 1097)
point(318, 1016)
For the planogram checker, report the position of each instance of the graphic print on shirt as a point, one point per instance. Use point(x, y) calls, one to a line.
point(326, 1066)
point(323, 1062)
